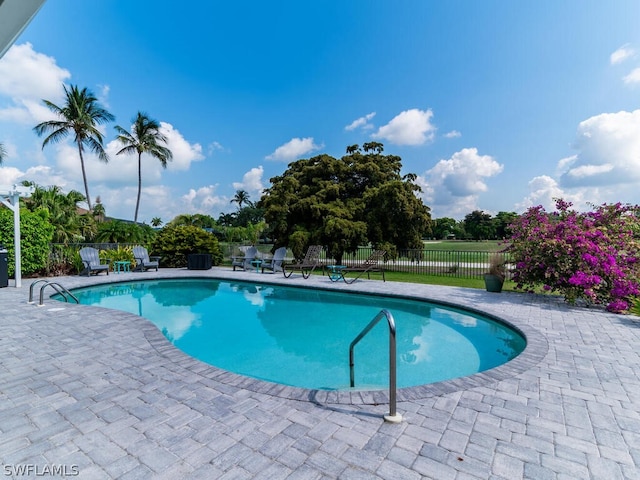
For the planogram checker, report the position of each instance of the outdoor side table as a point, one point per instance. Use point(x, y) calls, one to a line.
point(256, 263)
point(336, 272)
point(121, 266)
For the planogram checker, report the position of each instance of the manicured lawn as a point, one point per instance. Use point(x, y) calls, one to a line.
point(464, 246)
point(446, 280)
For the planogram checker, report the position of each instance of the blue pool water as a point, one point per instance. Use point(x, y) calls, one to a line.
point(301, 337)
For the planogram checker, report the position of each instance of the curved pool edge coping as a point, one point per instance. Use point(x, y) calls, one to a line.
point(535, 350)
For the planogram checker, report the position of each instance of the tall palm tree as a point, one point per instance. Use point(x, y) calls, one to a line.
point(241, 197)
point(79, 116)
point(3, 153)
point(144, 137)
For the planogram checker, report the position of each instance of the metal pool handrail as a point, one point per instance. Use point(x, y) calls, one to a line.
point(393, 416)
point(56, 286)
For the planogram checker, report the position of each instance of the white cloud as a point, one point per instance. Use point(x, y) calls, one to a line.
point(452, 134)
point(103, 95)
point(123, 168)
point(159, 201)
point(10, 175)
point(27, 77)
point(362, 122)
point(452, 186)
point(183, 152)
point(543, 190)
point(40, 174)
point(620, 55)
point(203, 200)
point(294, 149)
point(565, 164)
point(633, 77)
point(411, 127)
point(608, 152)
point(213, 147)
point(251, 181)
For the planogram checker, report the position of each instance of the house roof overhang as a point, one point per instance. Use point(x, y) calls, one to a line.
point(15, 15)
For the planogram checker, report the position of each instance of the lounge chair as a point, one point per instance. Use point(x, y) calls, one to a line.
point(244, 262)
point(371, 264)
point(143, 261)
point(91, 260)
point(307, 265)
point(275, 264)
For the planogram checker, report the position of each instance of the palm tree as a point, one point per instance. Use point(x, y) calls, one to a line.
point(80, 115)
point(241, 197)
point(63, 212)
point(99, 211)
point(145, 137)
point(156, 221)
point(3, 153)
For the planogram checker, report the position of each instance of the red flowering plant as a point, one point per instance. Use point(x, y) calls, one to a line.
point(591, 256)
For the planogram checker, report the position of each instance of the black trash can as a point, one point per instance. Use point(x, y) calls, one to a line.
point(4, 267)
point(199, 261)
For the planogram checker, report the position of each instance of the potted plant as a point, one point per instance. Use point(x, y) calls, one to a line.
point(494, 278)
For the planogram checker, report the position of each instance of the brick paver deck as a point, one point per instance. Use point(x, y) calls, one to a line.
point(93, 393)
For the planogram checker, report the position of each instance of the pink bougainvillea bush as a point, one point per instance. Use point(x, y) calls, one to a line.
point(591, 256)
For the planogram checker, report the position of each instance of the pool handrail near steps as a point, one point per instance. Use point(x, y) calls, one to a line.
point(393, 416)
point(56, 286)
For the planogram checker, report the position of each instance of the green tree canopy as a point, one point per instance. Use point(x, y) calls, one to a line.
point(68, 224)
point(117, 231)
point(442, 227)
point(343, 203)
point(479, 225)
point(502, 222)
point(196, 220)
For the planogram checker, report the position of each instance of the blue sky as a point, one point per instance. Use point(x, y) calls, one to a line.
point(495, 105)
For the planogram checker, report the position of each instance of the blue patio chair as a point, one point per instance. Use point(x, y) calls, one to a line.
point(275, 264)
point(91, 260)
point(143, 261)
point(244, 262)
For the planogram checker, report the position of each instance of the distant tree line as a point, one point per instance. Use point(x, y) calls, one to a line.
point(476, 225)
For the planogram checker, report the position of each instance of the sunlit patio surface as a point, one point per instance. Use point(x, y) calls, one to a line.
point(94, 393)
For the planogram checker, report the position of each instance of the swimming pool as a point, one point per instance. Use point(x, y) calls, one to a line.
point(300, 337)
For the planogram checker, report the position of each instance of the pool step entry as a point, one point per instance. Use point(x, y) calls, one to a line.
point(393, 416)
point(66, 294)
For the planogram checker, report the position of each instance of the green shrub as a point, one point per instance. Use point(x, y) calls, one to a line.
point(63, 260)
point(118, 255)
point(36, 234)
point(174, 243)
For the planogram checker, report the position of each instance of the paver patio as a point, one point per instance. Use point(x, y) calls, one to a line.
point(102, 394)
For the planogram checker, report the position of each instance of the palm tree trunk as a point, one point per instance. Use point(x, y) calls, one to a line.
point(135, 218)
point(84, 175)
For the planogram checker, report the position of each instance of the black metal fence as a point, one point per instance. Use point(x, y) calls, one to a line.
point(460, 264)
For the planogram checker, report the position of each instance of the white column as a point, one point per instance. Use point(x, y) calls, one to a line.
point(10, 198)
point(15, 200)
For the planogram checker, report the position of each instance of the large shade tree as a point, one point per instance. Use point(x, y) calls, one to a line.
point(80, 116)
point(479, 225)
point(344, 203)
point(144, 137)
